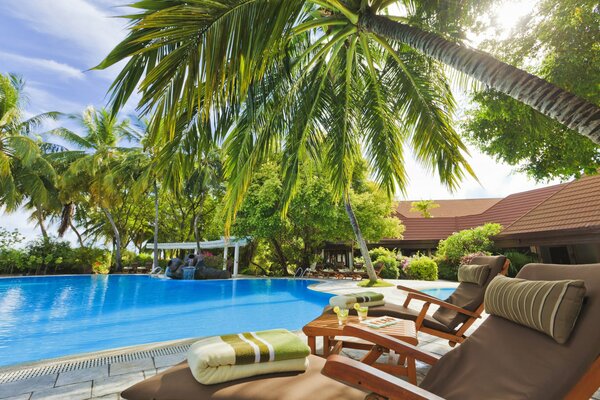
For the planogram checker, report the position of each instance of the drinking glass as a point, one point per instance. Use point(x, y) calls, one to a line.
point(342, 316)
point(362, 313)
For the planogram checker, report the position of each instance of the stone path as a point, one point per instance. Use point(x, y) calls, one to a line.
point(108, 380)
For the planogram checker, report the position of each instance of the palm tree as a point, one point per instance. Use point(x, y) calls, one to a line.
point(92, 166)
point(229, 44)
point(25, 175)
point(423, 207)
point(324, 100)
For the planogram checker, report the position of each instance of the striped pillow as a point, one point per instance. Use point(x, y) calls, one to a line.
point(551, 307)
point(471, 273)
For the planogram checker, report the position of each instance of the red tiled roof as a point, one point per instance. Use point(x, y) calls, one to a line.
point(505, 212)
point(448, 208)
point(576, 205)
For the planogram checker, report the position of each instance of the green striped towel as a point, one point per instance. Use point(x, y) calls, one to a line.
point(223, 358)
point(369, 299)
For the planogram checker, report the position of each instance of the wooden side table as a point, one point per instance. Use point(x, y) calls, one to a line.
point(327, 327)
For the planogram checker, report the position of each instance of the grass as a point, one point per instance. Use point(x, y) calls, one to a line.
point(379, 283)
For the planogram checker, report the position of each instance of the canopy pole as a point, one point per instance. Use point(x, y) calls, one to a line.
point(236, 260)
point(225, 248)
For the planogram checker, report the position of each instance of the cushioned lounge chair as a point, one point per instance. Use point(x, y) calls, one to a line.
point(456, 314)
point(501, 360)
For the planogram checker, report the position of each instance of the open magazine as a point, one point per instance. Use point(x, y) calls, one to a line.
point(380, 322)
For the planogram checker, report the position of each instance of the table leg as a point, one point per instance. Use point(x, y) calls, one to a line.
point(326, 346)
point(411, 370)
point(312, 343)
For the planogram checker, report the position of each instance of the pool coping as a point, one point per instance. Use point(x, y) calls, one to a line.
point(11, 372)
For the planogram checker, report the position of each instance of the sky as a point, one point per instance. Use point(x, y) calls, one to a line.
point(53, 44)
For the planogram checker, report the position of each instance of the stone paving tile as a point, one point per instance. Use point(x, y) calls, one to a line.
point(24, 396)
point(82, 375)
point(113, 396)
point(436, 348)
point(115, 384)
point(27, 385)
point(75, 391)
point(169, 360)
point(149, 373)
point(131, 366)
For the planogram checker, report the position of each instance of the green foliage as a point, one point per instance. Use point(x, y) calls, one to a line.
point(452, 249)
point(377, 252)
point(390, 267)
point(312, 218)
point(424, 207)
point(422, 268)
point(9, 239)
point(560, 44)
point(379, 283)
point(389, 259)
point(518, 260)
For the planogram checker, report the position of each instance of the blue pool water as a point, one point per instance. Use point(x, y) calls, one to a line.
point(440, 293)
point(45, 317)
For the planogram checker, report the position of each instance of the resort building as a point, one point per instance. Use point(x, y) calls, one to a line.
point(559, 223)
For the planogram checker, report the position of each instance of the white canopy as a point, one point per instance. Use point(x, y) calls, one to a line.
point(223, 243)
point(211, 244)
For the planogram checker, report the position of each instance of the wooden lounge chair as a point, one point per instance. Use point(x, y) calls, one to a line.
point(456, 314)
point(501, 360)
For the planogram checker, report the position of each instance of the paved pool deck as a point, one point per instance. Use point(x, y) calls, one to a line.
point(103, 375)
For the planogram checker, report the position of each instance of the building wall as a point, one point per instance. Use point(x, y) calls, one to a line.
point(587, 253)
point(584, 253)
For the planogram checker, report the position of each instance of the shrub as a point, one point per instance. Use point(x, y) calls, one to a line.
point(446, 269)
point(422, 268)
point(518, 260)
point(12, 261)
point(390, 267)
point(379, 252)
point(468, 241)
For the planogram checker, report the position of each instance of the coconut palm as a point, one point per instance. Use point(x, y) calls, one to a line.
point(330, 98)
point(24, 174)
point(229, 44)
point(424, 207)
point(92, 165)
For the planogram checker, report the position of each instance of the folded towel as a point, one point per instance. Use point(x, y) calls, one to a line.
point(368, 299)
point(220, 359)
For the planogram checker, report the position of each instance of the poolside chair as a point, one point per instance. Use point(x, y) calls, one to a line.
point(501, 360)
point(457, 313)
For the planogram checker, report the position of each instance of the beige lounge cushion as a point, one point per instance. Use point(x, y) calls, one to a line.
point(472, 273)
point(177, 383)
point(551, 307)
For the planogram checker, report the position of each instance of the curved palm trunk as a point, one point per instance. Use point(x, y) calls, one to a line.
point(552, 101)
point(364, 250)
point(79, 238)
point(117, 239)
point(156, 215)
point(40, 221)
point(197, 218)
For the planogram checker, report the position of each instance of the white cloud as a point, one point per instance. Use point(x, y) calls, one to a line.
point(495, 180)
point(77, 22)
point(64, 70)
point(41, 101)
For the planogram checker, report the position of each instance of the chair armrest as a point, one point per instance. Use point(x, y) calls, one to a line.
point(411, 290)
point(391, 343)
point(441, 303)
point(369, 379)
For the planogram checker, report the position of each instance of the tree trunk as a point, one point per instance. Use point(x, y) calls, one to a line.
point(364, 250)
point(79, 238)
point(40, 220)
point(197, 224)
point(550, 100)
point(280, 255)
point(155, 261)
point(117, 239)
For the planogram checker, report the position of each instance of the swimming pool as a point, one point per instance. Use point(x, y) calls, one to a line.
point(440, 293)
point(46, 317)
